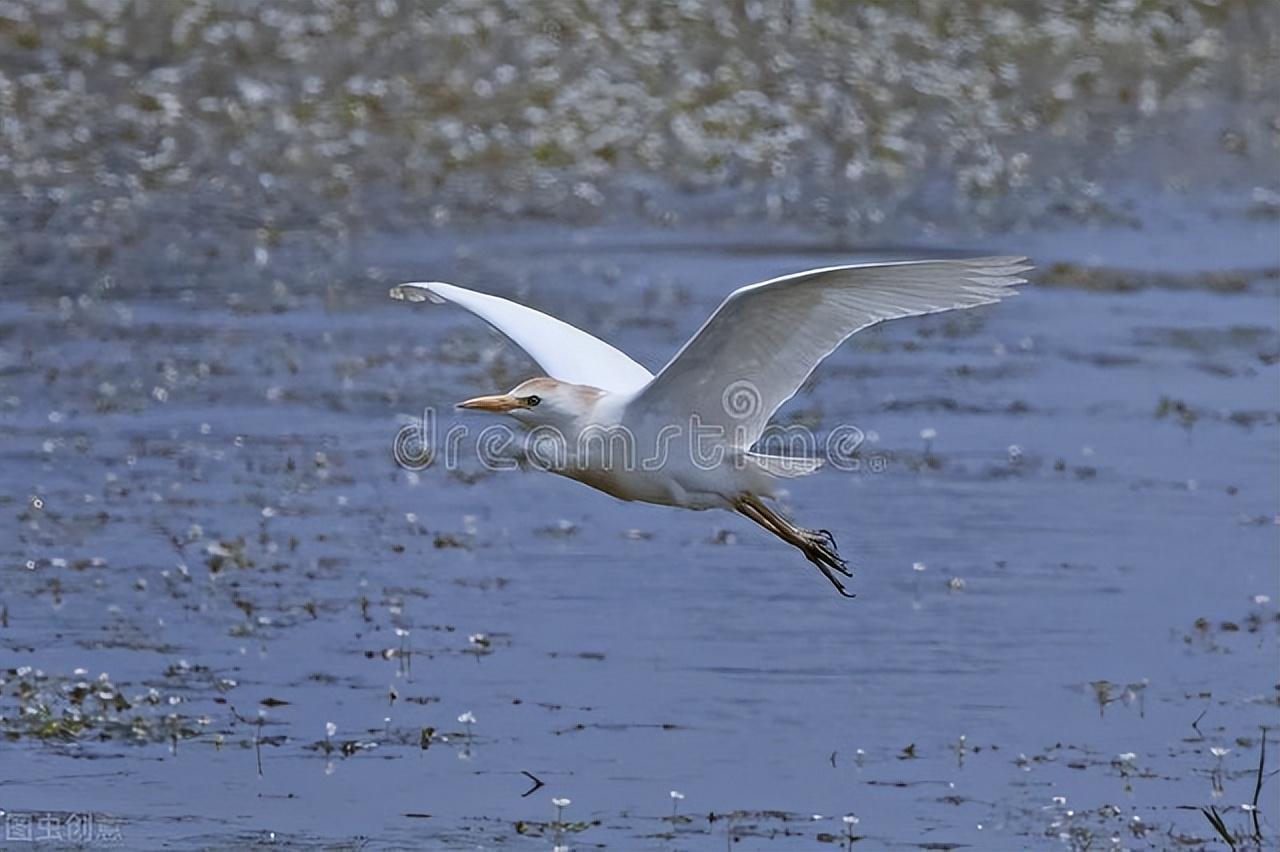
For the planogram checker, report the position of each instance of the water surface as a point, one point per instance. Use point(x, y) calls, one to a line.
point(1079, 565)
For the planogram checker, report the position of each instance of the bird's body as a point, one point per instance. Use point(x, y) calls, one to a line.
point(684, 437)
point(607, 441)
point(675, 477)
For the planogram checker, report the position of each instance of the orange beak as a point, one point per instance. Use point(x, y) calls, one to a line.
point(500, 402)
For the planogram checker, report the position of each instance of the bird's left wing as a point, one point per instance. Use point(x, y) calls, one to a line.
point(561, 350)
point(765, 339)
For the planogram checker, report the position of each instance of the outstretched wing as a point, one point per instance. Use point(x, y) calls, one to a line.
point(763, 341)
point(562, 351)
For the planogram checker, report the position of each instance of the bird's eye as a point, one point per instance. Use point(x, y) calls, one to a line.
point(532, 401)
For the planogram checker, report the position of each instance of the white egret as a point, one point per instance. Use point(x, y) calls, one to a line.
point(684, 437)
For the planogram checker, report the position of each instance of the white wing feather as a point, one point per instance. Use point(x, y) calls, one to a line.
point(764, 340)
point(561, 350)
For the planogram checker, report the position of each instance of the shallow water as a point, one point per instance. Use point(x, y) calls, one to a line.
point(1065, 634)
point(201, 500)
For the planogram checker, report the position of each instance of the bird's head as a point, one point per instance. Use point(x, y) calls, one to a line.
point(540, 402)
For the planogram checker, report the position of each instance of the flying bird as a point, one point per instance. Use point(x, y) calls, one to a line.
point(684, 436)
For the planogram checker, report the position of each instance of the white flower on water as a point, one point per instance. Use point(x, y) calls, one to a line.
point(850, 819)
point(917, 566)
point(467, 718)
point(929, 434)
point(1128, 757)
point(330, 729)
point(562, 803)
point(1219, 752)
point(677, 795)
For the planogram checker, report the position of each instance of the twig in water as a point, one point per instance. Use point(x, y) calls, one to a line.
point(1211, 814)
point(1257, 787)
point(257, 743)
point(257, 735)
point(1196, 724)
point(537, 784)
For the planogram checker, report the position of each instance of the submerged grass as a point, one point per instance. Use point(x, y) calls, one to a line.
point(69, 710)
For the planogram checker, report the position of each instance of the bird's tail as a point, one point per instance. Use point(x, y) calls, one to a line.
point(785, 467)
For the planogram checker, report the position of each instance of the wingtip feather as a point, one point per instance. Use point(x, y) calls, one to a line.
point(415, 292)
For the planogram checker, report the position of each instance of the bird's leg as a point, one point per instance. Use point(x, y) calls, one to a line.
point(821, 540)
point(817, 547)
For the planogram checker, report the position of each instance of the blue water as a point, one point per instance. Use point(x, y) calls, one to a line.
point(1070, 539)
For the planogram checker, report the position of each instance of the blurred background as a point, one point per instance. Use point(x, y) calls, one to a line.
point(1067, 626)
point(231, 126)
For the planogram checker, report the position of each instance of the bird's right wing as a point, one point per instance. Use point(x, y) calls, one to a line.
point(561, 350)
point(760, 345)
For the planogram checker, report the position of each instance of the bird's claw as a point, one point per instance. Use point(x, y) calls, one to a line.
point(823, 543)
point(831, 578)
point(822, 553)
point(818, 546)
